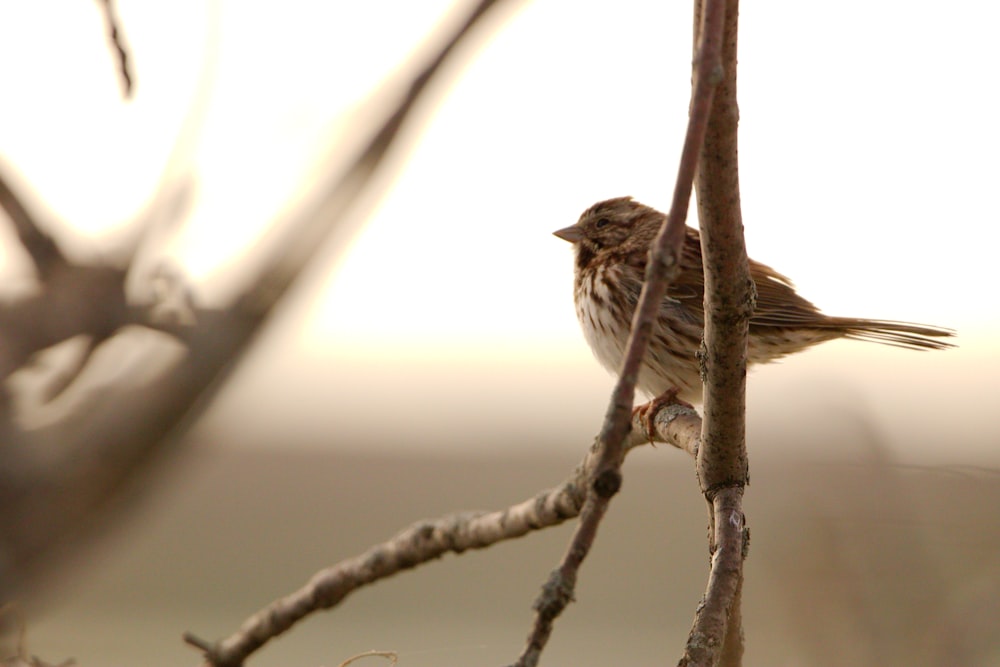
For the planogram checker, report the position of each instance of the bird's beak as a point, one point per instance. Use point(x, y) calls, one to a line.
point(571, 234)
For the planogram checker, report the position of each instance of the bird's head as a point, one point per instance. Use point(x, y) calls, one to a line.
point(620, 225)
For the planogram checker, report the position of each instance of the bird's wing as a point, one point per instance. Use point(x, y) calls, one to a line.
point(778, 305)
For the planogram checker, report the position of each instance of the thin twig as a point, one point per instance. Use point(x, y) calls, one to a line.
point(116, 38)
point(722, 460)
point(21, 658)
point(391, 656)
point(430, 539)
point(606, 481)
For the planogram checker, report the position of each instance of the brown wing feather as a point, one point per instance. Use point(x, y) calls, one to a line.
point(780, 306)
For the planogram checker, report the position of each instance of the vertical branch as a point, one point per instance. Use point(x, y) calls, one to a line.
point(729, 290)
point(732, 646)
point(729, 300)
point(660, 270)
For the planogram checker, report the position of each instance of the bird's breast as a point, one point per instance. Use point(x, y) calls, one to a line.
point(605, 314)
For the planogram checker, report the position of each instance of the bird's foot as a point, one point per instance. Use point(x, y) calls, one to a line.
point(647, 411)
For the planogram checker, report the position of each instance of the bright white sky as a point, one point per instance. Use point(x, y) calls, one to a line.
point(868, 148)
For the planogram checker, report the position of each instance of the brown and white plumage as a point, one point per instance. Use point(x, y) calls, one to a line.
point(611, 242)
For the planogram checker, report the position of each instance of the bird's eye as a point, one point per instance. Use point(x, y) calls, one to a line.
point(603, 222)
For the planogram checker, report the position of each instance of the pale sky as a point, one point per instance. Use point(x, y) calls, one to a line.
point(868, 148)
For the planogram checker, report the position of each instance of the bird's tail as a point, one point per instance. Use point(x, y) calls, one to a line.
point(899, 334)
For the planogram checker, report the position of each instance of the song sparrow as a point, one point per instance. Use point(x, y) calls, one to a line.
point(611, 242)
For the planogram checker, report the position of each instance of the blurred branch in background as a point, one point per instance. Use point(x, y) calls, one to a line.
point(894, 556)
point(41, 248)
point(59, 478)
point(117, 43)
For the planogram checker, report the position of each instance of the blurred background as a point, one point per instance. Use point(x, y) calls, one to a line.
point(432, 362)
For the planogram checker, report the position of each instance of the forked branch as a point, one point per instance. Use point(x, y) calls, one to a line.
point(59, 477)
point(660, 268)
point(430, 539)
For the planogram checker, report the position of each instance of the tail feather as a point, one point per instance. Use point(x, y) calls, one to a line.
point(898, 334)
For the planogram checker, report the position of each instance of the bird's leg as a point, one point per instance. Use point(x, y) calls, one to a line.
point(647, 411)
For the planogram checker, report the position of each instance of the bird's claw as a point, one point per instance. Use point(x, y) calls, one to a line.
point(647, 411)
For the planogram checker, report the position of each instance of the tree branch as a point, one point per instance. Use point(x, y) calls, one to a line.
point(55, 480)
point(660, 269)
point(40, 246)
point(729, 290)
point(75, 299)
point(430, 539)
point(729, 301)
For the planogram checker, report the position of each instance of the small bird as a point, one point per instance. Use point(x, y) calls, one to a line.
point(611, 242)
